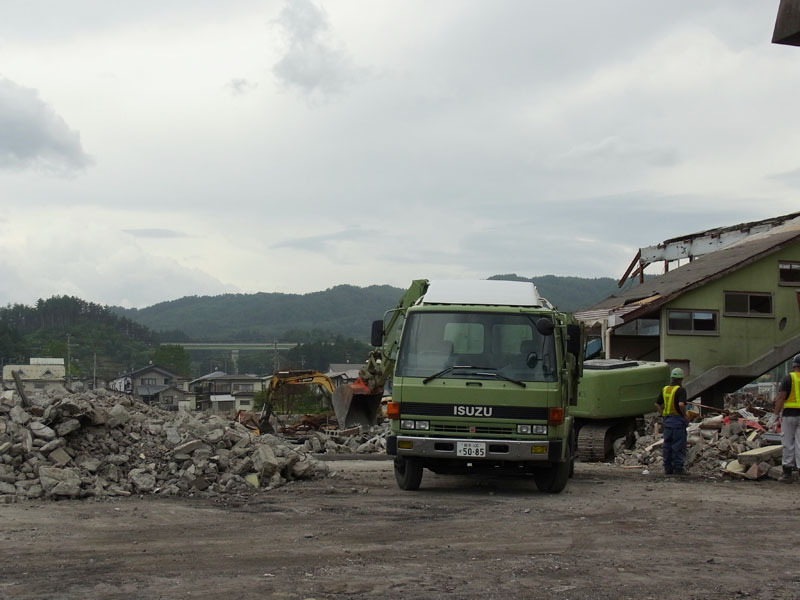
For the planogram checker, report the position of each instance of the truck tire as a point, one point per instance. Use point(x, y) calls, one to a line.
point(553, 479)
point(408, 473)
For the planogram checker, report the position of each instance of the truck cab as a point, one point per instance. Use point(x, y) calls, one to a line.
point(484, 375)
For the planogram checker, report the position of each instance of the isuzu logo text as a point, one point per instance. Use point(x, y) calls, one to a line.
point(472, 411)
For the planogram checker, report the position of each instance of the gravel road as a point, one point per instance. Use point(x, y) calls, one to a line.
point(613, 533)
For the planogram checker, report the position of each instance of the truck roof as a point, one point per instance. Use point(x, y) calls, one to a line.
point(484, 292)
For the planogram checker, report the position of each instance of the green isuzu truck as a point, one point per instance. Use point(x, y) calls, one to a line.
point(484, 375)
point(485, 379)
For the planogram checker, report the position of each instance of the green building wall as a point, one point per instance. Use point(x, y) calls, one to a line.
point(740, 340)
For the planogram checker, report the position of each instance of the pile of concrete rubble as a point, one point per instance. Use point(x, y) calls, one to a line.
point(734, 443)
point(100, 443)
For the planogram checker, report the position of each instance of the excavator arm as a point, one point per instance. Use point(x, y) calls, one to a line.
point(358, 403)
point(284, 378)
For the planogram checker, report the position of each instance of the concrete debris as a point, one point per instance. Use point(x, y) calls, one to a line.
point(101, 444)
point(735, 443)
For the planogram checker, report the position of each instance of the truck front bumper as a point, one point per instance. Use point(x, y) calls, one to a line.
point(505, 450)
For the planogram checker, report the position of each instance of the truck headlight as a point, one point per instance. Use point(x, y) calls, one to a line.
point(524, 429)
point(406, 424)
point(424, 425)
point(539, 429)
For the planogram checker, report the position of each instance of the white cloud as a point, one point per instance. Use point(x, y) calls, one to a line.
point(314, 61)
point(33, 135)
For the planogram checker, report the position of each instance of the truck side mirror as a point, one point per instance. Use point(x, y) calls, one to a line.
point(376, 338)
point(545, 326)
point(574, 340)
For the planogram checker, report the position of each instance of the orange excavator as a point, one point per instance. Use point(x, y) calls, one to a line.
point(358, 403)
point(297, 377)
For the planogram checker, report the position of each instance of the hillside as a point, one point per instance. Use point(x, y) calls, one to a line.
point(93, 338)
point(342, 310)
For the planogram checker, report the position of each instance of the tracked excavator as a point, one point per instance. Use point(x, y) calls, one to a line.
point(359, 403)
point(288, 378)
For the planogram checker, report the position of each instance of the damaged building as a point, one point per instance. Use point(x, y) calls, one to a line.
point(728, 314)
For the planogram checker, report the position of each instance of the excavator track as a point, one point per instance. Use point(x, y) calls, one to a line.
point(594, 442)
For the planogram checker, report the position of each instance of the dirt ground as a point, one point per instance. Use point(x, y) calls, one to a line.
point(613, 533)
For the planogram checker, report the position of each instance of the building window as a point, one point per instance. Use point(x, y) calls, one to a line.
point(640, 327)
point(148, 380)
point(692, 322)
point(789, 273)
point(242, 387)
point(748, 304)
point(244, 402)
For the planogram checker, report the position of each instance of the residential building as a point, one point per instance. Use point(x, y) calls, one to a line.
point(39, 376)
point(342, 373)
point(219, 392)
point(725, 317)
point(146, 383)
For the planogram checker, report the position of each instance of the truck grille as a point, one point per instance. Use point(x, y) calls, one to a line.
point(496, 430)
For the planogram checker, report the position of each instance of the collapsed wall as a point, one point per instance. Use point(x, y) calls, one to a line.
point(100, 444)
point(734, 443)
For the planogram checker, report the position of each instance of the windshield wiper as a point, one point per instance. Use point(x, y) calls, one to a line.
point(504, 378)
point(491, 371)
point(446, 371)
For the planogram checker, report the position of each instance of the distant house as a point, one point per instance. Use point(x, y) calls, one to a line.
point(219, 392)
point(39, 376)
point(147, 383)
point(176, 398)
point(341, 373)
point(726, 317)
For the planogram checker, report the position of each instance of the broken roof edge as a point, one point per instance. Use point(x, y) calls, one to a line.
point(696, 245)
point(630, 309)
point(776, 221)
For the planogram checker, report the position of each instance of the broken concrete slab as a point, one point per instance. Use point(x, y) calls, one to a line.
point(59, 457)
point(765, 453)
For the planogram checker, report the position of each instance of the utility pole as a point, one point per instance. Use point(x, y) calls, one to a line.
point(69, 364)
point(276, 363)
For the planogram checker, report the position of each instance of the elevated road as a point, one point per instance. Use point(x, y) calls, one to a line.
point(233, 345)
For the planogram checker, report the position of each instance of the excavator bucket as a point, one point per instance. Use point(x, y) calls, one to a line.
point(355, 406)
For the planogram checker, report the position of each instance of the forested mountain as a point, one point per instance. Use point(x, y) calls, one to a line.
point(71, 328)
point(343, 310)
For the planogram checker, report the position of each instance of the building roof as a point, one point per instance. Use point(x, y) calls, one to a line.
point(344, 370)
point(47, 361)
point(146, 369)
point(221, 375)
point(646, 297)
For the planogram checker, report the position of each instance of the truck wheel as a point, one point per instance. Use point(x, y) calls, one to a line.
point(553, 479)
point(408, 472)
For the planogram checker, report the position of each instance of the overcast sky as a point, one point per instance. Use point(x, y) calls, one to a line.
point(151, 150)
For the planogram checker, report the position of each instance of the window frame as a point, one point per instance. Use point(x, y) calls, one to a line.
point(692, 311)
point(793, 265)
point(749, 313)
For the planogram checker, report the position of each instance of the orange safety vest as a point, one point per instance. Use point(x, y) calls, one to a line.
point(793, 399)
point(668, 393)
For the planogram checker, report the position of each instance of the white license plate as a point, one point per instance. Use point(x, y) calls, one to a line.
point(471, 449)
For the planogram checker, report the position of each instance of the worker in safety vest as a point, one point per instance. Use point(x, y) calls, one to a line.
point(672, 405)
point(787, 406)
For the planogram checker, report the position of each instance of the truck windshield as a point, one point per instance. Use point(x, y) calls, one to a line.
point(477, 343)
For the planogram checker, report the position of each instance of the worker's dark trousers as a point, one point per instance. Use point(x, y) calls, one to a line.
point(674, 444)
